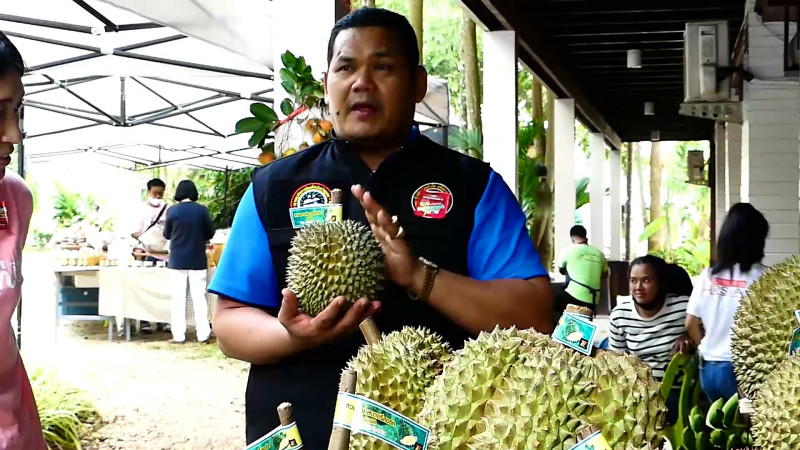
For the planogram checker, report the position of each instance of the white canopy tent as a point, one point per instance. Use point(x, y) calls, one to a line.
point(146, 83)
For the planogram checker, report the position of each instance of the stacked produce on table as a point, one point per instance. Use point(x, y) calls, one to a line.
point(519, 389)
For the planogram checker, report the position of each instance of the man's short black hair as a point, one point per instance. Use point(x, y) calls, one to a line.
point(156, 182)
point(381, 18)
point(10, 58)
point(578, 231)
point(186, 189)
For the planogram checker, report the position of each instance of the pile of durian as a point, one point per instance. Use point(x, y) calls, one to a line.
point(509, 389)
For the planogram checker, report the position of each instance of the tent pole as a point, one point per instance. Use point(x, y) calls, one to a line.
point(225, 197)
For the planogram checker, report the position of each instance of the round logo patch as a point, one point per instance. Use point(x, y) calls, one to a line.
point(311, 194)
point(432, 201)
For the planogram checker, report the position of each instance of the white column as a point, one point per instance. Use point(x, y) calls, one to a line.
point(770, 161)
point(616, 208)
point(499, 111)
point(597, 186)
point(733, 163)
point(564, 176)
point(720, 180)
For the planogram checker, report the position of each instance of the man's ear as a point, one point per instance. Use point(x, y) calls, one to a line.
point(421, 83)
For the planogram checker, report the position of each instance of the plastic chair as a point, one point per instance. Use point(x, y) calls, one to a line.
point(689, 396)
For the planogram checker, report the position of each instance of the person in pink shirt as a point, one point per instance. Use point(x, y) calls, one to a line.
point(20, 428)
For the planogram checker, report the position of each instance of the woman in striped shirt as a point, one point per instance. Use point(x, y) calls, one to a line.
point(652, 325)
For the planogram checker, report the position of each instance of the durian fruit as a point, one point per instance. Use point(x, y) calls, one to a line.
point(331, 259)
point(512, 389)
point(776, 421)
point(396, 372)
point(627, 402)
point(764, 323)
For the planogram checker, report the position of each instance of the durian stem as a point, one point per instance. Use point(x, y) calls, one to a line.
point(588, 431)
point(285, 413)
point(580, 310)
point(340, 437)
point(370, 331)
point(336, 196)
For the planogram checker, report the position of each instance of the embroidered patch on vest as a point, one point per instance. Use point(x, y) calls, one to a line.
point(432, 201)
point(311, 194)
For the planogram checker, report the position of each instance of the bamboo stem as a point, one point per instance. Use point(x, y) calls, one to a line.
point(340, 436)
point(285, 413)
point(336, 196)
point(370, 330)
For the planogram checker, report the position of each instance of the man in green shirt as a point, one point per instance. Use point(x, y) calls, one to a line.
point(585, 267)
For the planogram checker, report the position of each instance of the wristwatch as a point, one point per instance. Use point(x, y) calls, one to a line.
point(427, 285)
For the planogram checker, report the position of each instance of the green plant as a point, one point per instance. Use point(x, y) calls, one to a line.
point(71, 207)
point(221, 205)
point(469, 142)
point(299, 82)
point(64, 411)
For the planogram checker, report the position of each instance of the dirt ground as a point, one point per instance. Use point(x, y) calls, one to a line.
point(151, 394)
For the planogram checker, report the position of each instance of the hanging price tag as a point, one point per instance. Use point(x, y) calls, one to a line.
point(595, 441)
point(286, 437)
point(5, 224)
point(362, 415)
point(575, 332)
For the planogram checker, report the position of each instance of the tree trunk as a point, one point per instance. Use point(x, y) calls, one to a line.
point(543, 217)
point(539, 144)
point(629, 182)
point(657, 240)
point(640, 177)
point(469, 54)
point(415, 17)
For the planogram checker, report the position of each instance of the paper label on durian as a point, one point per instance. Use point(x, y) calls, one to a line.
point(794, 344)
point(307, 215)
point(285, 437)
point(362, 415)
point(797, 316)
point(575, 332)
point(594, 442)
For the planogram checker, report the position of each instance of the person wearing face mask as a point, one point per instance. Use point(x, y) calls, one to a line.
point(651, 326)
point(20, 427)
point(150, 220)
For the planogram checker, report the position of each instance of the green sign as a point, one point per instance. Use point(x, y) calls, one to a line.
point(594, 442)
point(794, 344)
point(286, 437)
point(306, 215)
point(575, 332)
point(362, 415)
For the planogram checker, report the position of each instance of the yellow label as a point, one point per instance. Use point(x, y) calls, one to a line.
point(334, 213)
point(282, 438)
point(346, 407)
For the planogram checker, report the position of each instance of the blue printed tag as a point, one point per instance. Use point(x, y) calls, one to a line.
point(576, 333)
point(306, 215)
point(794, 344)
point(797, 316)
point(594, 442)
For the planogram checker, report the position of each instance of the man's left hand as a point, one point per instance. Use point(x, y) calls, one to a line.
point(401, 265)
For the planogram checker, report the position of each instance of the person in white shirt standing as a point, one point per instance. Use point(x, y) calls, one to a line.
point(152, 213)
point(718, 292)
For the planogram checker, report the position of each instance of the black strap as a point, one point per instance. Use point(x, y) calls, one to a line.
point(592, 290)
point(158, 217)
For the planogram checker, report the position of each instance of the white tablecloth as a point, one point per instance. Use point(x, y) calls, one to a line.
point(142, 293)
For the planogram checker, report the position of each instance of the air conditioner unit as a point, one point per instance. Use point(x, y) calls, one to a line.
point(706, 80)
point(706, 49)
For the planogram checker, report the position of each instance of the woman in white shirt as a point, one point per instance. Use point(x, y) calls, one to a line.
point(718, 292)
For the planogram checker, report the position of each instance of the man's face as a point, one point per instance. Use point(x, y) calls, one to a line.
point(11, 92)
point(369, 86)
point(156, 192)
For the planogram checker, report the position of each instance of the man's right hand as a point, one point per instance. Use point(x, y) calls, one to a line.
point(334, 321)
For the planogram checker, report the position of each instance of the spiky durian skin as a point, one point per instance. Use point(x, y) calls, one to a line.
point(396, 372)
point(327, 260)
point(513, 389)
point(763, 324)
point(776, 421)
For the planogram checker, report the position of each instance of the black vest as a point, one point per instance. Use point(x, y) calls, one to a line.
point(310, 379)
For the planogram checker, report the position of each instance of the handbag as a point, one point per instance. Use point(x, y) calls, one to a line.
point(152, 239)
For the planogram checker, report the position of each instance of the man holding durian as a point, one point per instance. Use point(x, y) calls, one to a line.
point(456, 254)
